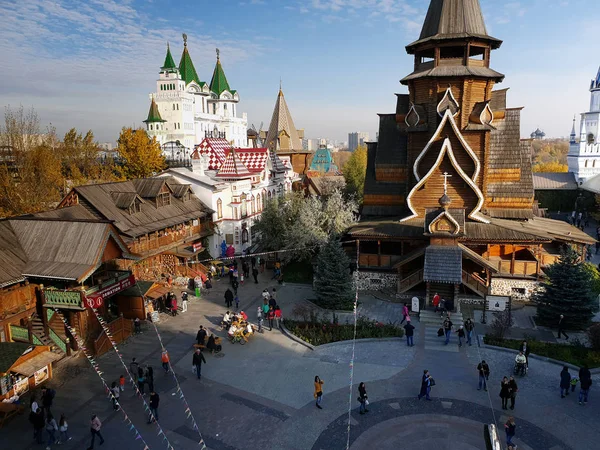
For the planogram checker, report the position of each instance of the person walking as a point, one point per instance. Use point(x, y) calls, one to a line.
point(271, 317)
point(262, 264)
point(122, 383)
point(141, 380)
point(255, 274)
point(51, 429)
point(63, 428)
point(48, 395)
point(174, 306)
point(484, 374)
point(510, 427)
point(114, 389)
point(253, 261)
point(425, 386)
point(235, 286)
point(164, 358)
point(278, 317)
point(565, 382)
point(95, 426)
point(237, 302)
point(154, 399)
point(404, 313)
point(184, 300)
point(469, 327)
point(228, 298)
point(461, 335)
point(504, 392)
point(201, 336)
point(585, 382)
point(447, 326)
point(512, 385)
point(409, 331)
point(318, 391)
point(259, 318)
point(197, 361)
point(561, 327)
point(150, 378)
point(37, 420)
point(133, 369)
point(362, 398)
point(436, 302)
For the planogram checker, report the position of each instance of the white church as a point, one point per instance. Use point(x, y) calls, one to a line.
point(186, 110)
point(584, 153)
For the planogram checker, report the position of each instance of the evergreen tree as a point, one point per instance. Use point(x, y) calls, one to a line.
point(333, 284)
point(567, 291)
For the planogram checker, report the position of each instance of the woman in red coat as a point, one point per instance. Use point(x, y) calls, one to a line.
point(174, 306)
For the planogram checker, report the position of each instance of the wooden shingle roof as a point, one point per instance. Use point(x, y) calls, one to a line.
point(563, 181)
point(98, 199)
point(443, 264)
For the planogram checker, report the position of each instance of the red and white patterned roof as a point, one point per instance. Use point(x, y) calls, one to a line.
point(215, 148)
point(233, 167)
point(253, 158)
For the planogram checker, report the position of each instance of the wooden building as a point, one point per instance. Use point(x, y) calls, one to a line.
point(449, 199)
point(159, 219)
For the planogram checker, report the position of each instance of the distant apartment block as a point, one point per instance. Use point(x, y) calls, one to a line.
point(357, 139)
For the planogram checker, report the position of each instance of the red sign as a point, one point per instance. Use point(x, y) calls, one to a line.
point(197, 246)
point(96, 300)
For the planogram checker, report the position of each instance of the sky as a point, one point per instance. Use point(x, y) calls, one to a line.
point(91, 64)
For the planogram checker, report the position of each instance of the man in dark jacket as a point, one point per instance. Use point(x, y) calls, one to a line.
point(47, 398)
point(197, 362)
point(410, 331)
point(447, 326)
point(561, 327)
point(585, 380)
point(255, 274)
point(228, 298)
point(484, 374)
point(469, 326)
point(201, 335)
point(154, 399)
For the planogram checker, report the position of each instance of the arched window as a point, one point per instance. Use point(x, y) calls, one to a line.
point(586, 162)
point(244, 206)
point(244, 235)
point(150, 127)
point(173, 106)
point(594, 163)
point(252, 205)
point(219, 209)
point(177, 106)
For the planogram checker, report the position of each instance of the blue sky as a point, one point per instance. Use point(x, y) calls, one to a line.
point(91, 64)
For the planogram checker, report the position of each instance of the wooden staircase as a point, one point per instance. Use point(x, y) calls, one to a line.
point(475, 283)
point(37, 328)
point(410, 281)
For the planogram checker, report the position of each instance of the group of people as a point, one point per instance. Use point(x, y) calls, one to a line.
point(42, 418)
point(464, 332)
point(269, 310)
point(363, 399)
point(143, 375)
point(568, 382)
point(212, 343)
point(237, 325)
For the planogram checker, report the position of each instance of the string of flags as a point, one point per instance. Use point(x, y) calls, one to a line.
point(109, 392)
point(151, 417)
point(188, 410)
point(355, 313)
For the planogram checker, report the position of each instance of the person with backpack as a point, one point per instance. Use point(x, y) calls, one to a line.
point(95, 426)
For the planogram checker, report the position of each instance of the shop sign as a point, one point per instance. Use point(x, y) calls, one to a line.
point(96, 300)
point(197, 246)
point(21, 386)
point(41, 375)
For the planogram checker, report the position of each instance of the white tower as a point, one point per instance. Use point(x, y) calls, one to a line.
point(584, 156)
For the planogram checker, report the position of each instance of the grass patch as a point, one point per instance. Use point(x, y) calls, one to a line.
point(318, 333)
point(298, 272)
point(574, 353)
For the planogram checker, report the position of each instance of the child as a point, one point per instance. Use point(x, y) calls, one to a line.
point(574, 382)
point(242, 278)
point(237, 302)
point(122, 383)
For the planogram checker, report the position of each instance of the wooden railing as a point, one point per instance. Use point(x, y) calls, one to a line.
point(410, 281)
point(374, 260)
point(474, 282)
point(176, 237)
point(63, 299)
point(120, 329)
point(549, 259)
point(520, 267)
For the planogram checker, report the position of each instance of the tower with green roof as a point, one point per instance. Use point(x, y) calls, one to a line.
point(187, 110)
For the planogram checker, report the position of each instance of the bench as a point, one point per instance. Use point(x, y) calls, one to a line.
point(7, 410)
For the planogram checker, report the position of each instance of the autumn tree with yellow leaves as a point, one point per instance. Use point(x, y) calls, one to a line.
point(141, 155)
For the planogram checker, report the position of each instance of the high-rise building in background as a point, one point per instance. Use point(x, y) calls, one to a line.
point(356, 139)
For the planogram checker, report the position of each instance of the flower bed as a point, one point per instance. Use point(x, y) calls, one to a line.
point(575, 353)
point(318, 333)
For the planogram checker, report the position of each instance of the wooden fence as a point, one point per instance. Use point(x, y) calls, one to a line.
point(120, 329)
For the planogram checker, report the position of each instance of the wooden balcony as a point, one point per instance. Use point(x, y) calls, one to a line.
point(377, 261)
point(155, 244)
point(475, 283)
point(514, 267)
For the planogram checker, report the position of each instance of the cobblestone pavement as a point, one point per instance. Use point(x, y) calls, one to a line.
point(261, 394)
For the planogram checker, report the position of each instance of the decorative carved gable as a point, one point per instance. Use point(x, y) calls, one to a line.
point(448, 102)
point(444, 223)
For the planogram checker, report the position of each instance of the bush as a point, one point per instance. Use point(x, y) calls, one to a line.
point(318, 333)
point(575, 353)
point(501, 323)
point(593, 335)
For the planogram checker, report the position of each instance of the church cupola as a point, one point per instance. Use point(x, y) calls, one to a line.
point(573, 136)
point(169, 64)
point(218, 83)
point(154, 122)
point(186, 66)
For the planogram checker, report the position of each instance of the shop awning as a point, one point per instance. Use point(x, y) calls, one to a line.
point(157, 292)
point(36, 363)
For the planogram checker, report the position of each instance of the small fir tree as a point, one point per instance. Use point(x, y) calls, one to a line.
point(333, 284)
point(567, 291)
